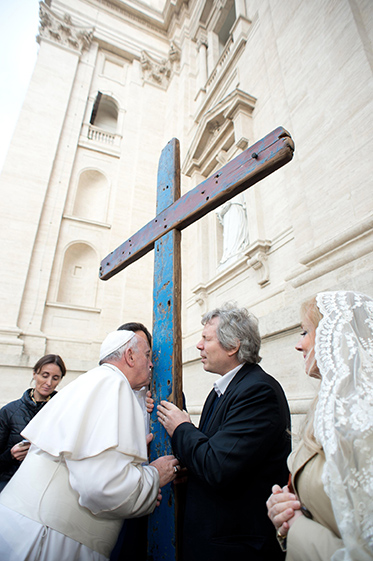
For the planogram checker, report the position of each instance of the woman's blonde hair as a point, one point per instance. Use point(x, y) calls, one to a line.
point(309, 310)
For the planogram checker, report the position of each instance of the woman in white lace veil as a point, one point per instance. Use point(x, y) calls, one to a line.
point(338, 433)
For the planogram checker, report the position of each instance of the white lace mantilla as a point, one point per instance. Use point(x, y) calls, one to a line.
point(344, 416)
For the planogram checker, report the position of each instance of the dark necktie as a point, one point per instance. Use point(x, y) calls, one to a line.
point(210, 412)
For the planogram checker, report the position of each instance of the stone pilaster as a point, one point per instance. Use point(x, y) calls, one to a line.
point(29, 166)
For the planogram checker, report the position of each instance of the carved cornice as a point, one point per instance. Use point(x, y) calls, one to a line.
point(62, 31)
point(201, 37)
point(201, 297)
point(257, 258)
point(214, 128)
point(158, 72)
point(349, 245)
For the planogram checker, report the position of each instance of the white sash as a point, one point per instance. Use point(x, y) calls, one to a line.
point(51, 501)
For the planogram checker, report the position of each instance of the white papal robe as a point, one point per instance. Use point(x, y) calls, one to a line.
point(82, 475)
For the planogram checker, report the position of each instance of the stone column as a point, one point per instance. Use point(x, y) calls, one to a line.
point(29, 165)
point(240, 8)
point(202, 58)
point(201, 40)
point(213, 50)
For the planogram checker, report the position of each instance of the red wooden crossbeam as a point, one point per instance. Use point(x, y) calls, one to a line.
point(252, 165)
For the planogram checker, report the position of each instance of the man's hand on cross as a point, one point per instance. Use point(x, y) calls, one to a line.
point(171, 416)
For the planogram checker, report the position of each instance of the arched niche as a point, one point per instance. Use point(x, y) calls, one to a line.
point(91, 198)
point(78, 280)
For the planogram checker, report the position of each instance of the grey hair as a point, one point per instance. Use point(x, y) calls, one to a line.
point(117, 355)
point(237, 326)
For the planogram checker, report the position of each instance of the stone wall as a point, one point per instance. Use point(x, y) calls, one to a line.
point(113, 83)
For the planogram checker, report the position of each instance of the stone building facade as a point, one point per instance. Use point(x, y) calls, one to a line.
point(114, 81)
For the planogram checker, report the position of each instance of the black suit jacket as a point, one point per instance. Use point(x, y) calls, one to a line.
point(232, 466)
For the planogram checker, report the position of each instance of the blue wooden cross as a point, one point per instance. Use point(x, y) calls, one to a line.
point(163, 233)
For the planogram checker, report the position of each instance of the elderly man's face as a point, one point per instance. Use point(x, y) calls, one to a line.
point(143, 362)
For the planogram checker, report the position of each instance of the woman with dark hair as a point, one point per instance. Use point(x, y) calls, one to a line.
point(47, 374)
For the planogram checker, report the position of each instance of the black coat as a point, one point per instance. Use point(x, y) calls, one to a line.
point(13, 418)
point(232, 467)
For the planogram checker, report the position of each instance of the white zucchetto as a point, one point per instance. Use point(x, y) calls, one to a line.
point(114, 341)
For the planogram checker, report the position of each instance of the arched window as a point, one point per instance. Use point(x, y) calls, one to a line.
point(91, 198)
point(78, 281)
point(226, 27)
point(104, 113)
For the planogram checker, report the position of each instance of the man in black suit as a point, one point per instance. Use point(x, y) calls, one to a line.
point(239, 449)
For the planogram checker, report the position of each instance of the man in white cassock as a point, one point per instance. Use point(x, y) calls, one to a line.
point(84, 471)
